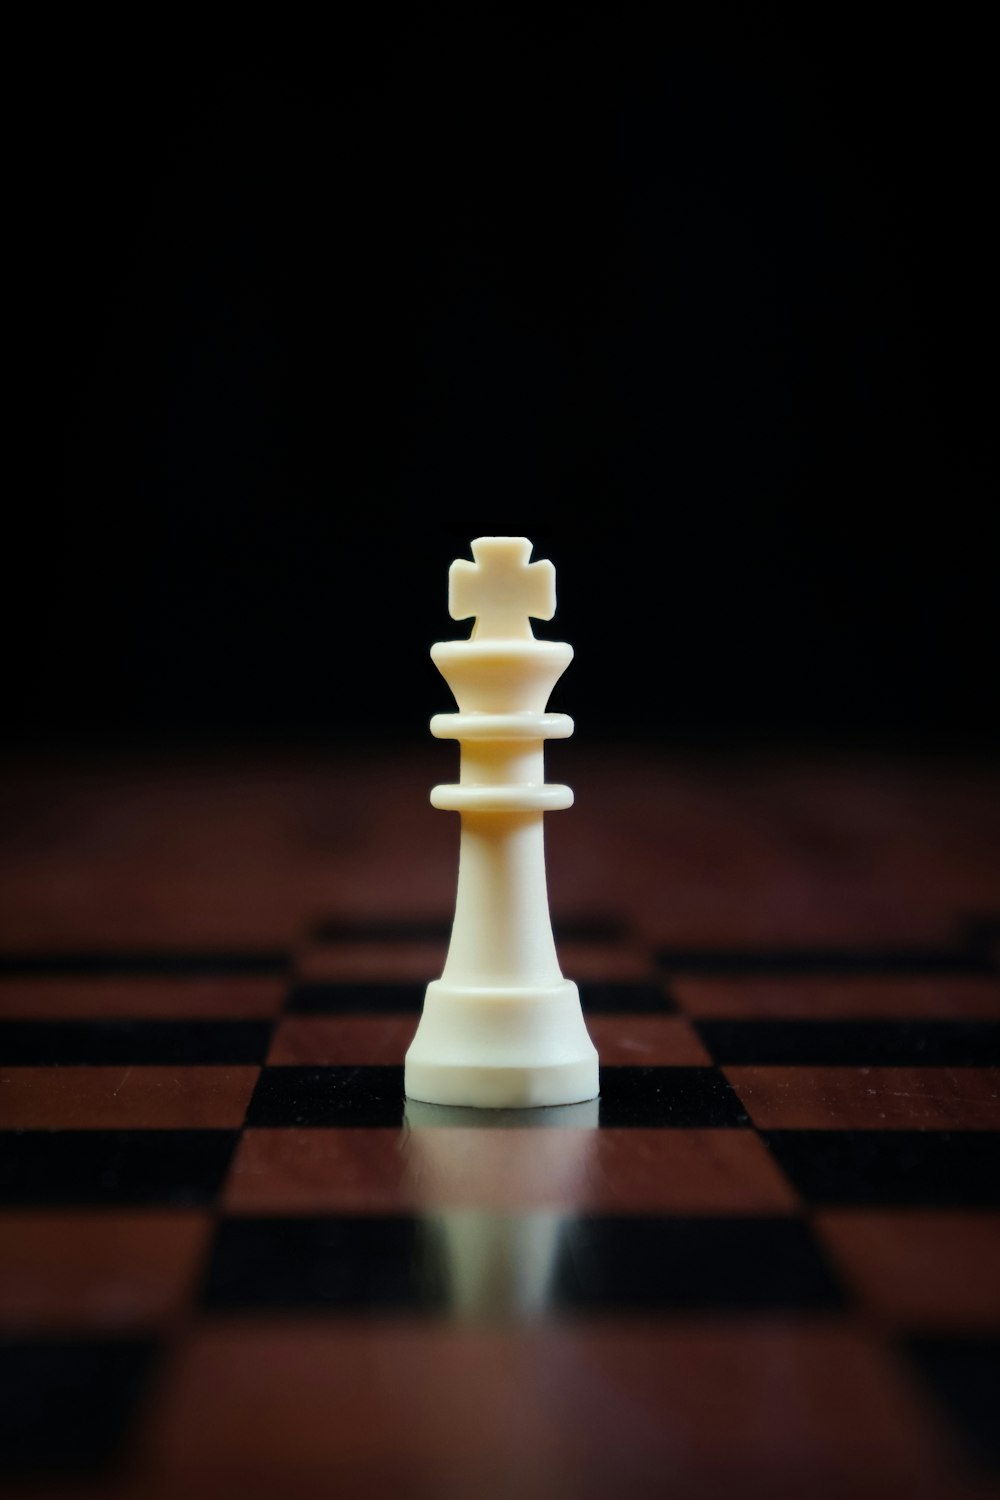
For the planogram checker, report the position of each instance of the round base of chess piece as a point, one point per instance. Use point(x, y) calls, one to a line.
point(502, 1048)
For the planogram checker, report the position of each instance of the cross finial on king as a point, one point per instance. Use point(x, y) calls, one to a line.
point(501, 588)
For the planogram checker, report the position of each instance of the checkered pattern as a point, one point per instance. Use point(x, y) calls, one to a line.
point(233, 1257)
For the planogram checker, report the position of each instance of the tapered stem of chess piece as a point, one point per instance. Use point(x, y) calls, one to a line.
point(502, 1028)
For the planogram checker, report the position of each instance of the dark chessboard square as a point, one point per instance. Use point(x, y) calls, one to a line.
point(357, 999)
point(351, 1264)
point(899, 1168)
point(191, 963)
point(839, 997)
point(682, 1098)
point(595, 928)
point(963, 1374)
point(341, 1096)
point(874, 1044)
point(619, 1265)
point(63, 1167)
point(125, 1042)
point(396, 930)
point(983, 936)
point(68, 1404)
point(625, 999)
point(747, 961)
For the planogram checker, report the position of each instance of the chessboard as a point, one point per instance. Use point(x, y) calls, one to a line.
point(235, 1260)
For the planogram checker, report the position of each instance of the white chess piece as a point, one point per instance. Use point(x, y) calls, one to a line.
point(502, 1028)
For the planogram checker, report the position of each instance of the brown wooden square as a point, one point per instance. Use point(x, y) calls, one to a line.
point(98, 1272)
point(514, 1169)
point(125, 1098)
point(355, 1041)
point(650, 1041)
point(920, 1269)
point(581, 1410)
point(806, 1098)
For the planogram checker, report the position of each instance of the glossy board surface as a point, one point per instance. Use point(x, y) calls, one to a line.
point(234, 1260)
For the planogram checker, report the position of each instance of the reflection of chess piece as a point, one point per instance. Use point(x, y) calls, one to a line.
point(502, 1027)
point(494, 1201)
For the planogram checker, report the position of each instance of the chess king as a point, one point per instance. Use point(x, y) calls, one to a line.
point(502, 1028)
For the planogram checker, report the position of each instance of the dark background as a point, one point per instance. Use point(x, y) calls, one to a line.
point(306, 310)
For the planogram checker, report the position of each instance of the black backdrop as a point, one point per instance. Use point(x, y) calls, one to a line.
point(307, 310)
